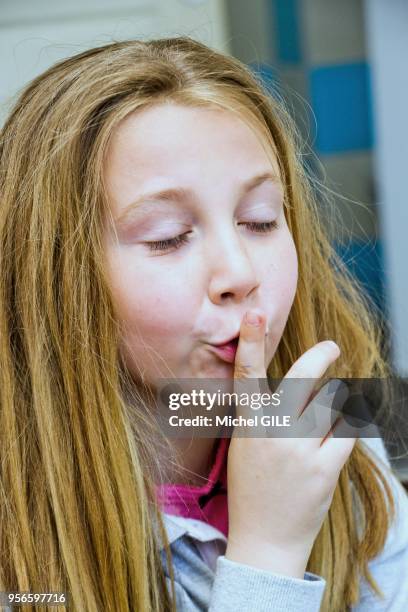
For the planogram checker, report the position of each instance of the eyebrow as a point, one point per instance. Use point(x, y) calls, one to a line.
point(181, 193)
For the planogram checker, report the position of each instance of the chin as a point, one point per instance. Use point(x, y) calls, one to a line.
point(221, 370)
point(224, 371)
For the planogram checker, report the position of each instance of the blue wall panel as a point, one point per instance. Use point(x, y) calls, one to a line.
point(341, 101)
point(286, 30)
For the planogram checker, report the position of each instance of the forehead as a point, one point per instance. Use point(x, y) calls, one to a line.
point(158, 137)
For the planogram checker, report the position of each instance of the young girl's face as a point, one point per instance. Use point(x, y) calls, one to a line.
point(176, 300)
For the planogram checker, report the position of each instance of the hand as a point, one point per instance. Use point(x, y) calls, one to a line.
point(280, 489)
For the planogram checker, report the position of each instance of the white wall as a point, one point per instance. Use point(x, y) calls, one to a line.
point(387, 39)
point(35, 34)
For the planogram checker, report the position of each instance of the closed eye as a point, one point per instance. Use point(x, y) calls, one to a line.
point(264, 226)
point(178, 241)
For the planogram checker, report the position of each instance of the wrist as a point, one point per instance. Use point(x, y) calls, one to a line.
point(269, 558)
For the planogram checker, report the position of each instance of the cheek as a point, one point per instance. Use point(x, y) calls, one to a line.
point(288, 270)
point(282, 277)
point(150, 302)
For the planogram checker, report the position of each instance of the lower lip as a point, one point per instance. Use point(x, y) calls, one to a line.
point(226, 352)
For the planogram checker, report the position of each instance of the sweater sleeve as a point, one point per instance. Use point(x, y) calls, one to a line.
point(238, 587)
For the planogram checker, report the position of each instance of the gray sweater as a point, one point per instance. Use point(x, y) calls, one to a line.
point(207, 581)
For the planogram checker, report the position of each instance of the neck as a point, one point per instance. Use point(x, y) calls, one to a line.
point(195, 457)
point(183, 460)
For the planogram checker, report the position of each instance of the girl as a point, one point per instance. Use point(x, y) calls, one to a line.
point(152, 194)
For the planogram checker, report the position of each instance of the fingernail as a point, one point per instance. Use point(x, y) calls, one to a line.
point(252, 318)
point(331, 343)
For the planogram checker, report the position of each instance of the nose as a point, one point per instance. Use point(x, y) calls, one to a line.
point(232, 272)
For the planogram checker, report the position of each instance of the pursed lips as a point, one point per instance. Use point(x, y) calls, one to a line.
point(226, 351)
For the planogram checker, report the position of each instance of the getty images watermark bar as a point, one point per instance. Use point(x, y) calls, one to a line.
point(288, 407)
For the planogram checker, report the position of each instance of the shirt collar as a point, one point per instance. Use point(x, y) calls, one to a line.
point(178, 526)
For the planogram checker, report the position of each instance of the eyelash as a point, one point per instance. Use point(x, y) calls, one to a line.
point(178, 241)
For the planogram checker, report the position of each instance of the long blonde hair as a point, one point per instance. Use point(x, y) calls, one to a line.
point(77, 504)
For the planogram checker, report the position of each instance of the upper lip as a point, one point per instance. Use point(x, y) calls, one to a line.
point(234, 337)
